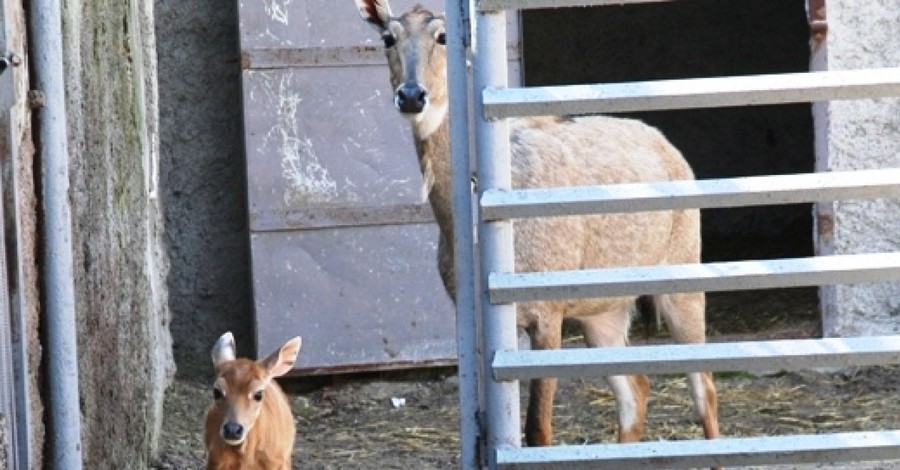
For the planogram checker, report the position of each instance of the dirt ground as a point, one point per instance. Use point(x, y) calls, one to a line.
point(358, 422)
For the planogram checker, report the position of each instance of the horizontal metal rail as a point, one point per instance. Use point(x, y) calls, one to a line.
point(701, 277)
point(691, 93)
point(496, 5)
point(752, 356)
point(807, 448)
point(703, 194)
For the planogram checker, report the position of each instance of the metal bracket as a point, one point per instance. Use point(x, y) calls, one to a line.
point(10, 59)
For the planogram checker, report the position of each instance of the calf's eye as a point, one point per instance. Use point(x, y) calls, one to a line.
point(217, 394)
point(441, 38)
point(258, 396)
point(389, 40)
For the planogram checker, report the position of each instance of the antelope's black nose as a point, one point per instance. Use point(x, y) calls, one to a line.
point(232, 431)
point(411, 98)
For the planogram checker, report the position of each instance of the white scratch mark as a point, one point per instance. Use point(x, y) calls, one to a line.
point(278, 10)
point(307, 179)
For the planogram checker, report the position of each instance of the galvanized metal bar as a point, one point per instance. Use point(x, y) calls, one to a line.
point(467, 341)
point(708, 277)
point(702, 194)
point(495, 238)
point(8, 400)
point(64, 423)
point(753, 356)
point(714, 92)
point(810, 448)
point(494, 5)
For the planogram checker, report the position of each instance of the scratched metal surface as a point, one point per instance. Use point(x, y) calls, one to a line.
point(342, 240)
point(362, 298)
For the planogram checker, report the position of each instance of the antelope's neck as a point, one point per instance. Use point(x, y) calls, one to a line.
point(433, 150)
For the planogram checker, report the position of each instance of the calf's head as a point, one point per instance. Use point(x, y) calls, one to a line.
point(241, 385)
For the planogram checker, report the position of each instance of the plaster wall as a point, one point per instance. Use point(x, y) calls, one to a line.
point(124, 346)
point(859, 134)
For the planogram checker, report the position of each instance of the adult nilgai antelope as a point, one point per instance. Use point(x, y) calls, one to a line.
point(550, 152)
point(250, 425)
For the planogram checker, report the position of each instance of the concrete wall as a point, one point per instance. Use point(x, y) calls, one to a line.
point(859, 134)
point(124, 343)
point(202, 178)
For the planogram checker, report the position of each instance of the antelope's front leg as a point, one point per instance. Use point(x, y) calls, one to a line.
point(539, 421)
point(610, 329)
point(545, 333)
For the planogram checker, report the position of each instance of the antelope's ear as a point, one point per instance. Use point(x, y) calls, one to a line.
point(376, 12)
point(224, 350)
point(280, 362)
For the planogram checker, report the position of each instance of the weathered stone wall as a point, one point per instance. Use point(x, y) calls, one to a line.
point(124, 343)
point(202, 183)
point(859, 134)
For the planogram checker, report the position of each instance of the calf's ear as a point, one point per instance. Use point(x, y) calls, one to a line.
point(224, 350)
point(282, 361)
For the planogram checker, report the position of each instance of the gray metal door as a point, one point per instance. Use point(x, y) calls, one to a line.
point(342, 240)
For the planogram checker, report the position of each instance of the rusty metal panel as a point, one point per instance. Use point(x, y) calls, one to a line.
point(362, 298)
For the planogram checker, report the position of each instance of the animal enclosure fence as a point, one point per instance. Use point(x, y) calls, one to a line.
point(489, 400)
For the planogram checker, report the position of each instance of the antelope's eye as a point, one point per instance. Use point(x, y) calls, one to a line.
point(389, 40)
point(217, 394)
point(441, 39)
point(258, 396)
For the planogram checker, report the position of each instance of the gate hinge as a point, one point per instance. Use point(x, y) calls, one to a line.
point(481, 448)
point(36, 99)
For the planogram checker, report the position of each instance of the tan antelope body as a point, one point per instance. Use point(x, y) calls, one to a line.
point(250, 426)
point(550, 152)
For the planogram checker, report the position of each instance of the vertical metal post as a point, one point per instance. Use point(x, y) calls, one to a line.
point(495, 238)
point(457, 14)
point(64, 427)
point(8, 400)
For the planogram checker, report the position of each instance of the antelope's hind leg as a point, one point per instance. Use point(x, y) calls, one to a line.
point(610, 329)
point(685, 316)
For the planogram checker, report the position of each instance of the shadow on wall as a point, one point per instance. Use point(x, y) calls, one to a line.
point(698, 39)
point(202, 183)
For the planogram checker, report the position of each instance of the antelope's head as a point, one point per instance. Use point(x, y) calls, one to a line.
point(414, 46)
point(241, 385)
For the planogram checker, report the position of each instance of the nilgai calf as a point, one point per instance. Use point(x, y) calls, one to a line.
point(550, 152)
point(250, 425)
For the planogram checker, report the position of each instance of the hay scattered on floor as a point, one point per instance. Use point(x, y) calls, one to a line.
point(351, 426)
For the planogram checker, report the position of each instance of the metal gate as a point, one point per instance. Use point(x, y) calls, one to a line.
point(498, 205)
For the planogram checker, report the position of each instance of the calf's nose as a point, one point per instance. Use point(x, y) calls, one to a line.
point(232, 431)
